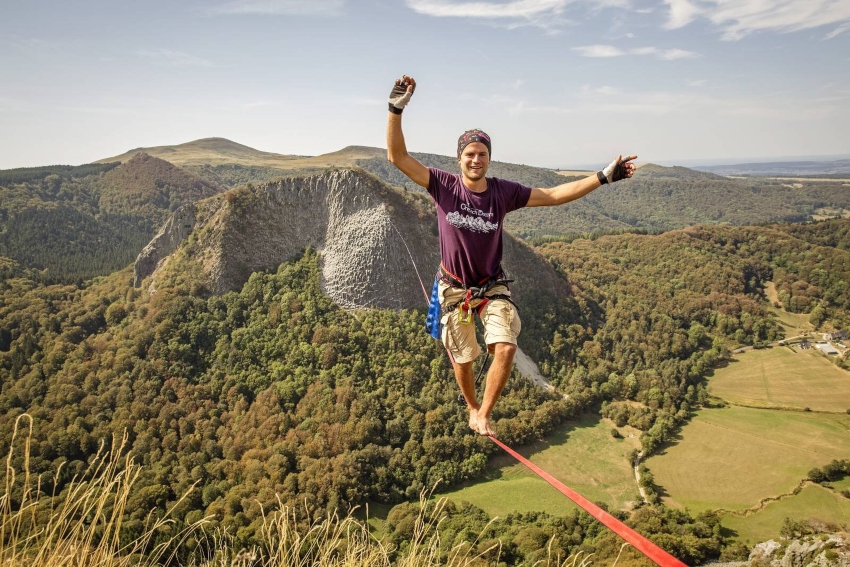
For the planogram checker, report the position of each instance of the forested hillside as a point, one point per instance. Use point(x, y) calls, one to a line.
point(74, 223)
point(274, 392)
point(655, 199)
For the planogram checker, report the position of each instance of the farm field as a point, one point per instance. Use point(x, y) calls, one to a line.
point(734, 457)
point(813, 502)
point(780, 377)
point(582, 454)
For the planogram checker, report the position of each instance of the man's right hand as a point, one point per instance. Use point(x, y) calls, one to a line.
point(401, 93)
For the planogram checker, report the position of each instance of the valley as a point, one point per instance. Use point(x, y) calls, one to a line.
point(241, 358)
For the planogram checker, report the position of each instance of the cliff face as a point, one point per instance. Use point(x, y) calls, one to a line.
point(362, 227)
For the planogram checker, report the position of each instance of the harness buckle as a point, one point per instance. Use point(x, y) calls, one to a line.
point(465, 316)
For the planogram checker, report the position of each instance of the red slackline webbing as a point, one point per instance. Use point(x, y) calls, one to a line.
point(652, 551)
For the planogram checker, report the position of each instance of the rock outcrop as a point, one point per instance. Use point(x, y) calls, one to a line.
point(814, 551)
point(373, 240)
point(173, 232)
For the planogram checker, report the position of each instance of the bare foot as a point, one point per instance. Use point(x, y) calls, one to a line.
point(473, 419)
point(482, 425)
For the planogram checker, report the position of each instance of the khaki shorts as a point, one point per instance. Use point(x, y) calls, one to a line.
point(499, 317)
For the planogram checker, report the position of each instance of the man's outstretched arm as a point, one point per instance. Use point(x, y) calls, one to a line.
point(396, 148)
point(620, 168)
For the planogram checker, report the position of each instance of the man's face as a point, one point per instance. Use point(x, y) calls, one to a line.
point(474, 161)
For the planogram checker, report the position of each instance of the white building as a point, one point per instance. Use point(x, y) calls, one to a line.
point(827, 348)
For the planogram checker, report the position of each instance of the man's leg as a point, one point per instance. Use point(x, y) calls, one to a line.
point(466, 381)
point(497, 377)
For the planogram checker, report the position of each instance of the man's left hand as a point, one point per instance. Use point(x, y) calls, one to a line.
point(620, 168)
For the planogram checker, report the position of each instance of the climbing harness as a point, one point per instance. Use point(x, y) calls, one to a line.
point(478, 292)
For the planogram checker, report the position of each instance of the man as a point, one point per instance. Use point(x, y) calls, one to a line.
point(470, 211)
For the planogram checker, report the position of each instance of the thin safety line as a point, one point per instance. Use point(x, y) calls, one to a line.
point(652, 551)
point(425, 293)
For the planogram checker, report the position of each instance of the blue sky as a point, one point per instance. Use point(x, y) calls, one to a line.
point(556, 83)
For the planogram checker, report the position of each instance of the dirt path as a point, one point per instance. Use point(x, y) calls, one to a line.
point(637, 477)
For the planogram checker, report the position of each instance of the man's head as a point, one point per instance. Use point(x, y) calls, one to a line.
point(474, 135)
point(473, 154)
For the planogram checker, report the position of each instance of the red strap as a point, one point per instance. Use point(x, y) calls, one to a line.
point(652, 551)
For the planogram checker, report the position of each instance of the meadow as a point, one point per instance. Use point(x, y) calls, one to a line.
point(813, 502)
point(783, 377)
point(734, 457)
point(582, 454)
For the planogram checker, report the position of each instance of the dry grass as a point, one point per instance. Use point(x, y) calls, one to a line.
point(81, 526)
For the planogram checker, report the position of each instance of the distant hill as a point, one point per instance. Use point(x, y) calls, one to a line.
point(209, 151)
point(73, 223)
point(151, 187)
point(228, 163)
point(836, 168)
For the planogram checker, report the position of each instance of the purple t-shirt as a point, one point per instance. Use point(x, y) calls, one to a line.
point(471, 223)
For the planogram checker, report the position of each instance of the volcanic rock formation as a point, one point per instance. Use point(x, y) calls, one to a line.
point(373, 240)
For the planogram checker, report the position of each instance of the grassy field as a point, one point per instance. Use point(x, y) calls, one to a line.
point(583, 455)
point(782, 377)
point(734, 457)
point(813, 502)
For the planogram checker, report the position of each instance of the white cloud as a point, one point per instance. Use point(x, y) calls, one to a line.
point(672, 54)
point(599, 51)
point(518, 84)
point(513, 9)
point(697, 83)
point(281, 7)
point(547, 15)
point(682, 12)
point(612, 51)
point(173, 58)
point(837, 31)
point(739, 18)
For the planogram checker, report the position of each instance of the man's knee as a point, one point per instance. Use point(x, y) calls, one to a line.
point(504, 349)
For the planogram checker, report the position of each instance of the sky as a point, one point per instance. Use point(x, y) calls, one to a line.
point(556, 83)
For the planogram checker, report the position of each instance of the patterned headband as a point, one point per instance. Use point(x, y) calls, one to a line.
point(470, 136)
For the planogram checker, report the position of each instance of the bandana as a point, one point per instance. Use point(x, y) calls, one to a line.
point(470, 136)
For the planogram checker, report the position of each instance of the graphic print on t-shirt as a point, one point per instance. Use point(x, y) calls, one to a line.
point(473, 223)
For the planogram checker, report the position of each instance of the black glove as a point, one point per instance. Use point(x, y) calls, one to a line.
point(617, 170)
point(401, 93)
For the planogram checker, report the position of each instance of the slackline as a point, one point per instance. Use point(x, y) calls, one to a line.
point(652, 551)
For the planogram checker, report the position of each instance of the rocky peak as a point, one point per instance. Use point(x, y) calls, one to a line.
point(373, 239)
